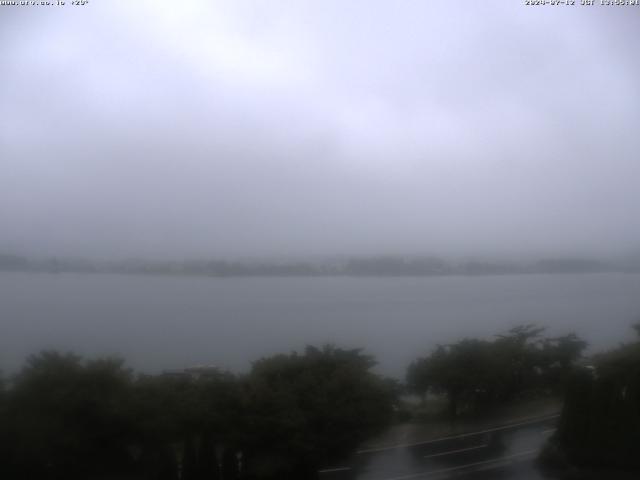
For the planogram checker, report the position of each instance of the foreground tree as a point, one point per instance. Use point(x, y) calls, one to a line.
point(306, 410)
point(185, 422)
point(4, 420)
point(476, 375)
point(67, 419)
point(600, 422)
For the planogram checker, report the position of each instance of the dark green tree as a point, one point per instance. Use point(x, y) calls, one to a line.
point(476, 375)
point(67, 419)
point(600, 421)
point(306, 410)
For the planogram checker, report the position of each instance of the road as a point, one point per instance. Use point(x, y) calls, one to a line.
point(507, 452)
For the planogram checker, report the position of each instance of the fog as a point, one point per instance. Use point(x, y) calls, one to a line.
point(191, 129)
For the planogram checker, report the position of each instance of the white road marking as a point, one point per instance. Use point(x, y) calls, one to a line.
point(463, 435)
point(451, 452)
point(337, 469)
point(550, 430)
point(497, 461)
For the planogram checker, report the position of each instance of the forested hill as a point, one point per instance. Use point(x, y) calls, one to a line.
point(355, 266)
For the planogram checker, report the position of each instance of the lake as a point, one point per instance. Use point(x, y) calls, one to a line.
point(170, 322)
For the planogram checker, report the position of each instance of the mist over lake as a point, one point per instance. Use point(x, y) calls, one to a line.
point(287, 240)
point(171, 322)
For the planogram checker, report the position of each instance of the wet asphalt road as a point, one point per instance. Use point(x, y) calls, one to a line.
point(507, 452)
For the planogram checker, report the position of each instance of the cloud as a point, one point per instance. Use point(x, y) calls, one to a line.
point(250, 128)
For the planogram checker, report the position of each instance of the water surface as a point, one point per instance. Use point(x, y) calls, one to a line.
point(166, 322)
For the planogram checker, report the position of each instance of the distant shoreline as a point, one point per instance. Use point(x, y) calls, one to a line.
point(387, 266)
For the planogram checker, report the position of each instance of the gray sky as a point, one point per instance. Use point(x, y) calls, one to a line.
point(188, 128)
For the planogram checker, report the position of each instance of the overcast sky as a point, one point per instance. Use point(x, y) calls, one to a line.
point(202, 129)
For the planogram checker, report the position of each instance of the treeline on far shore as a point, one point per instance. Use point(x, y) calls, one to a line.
point(64, 417)
point(356, 266)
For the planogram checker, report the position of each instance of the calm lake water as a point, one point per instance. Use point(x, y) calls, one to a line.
point(164, 322)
